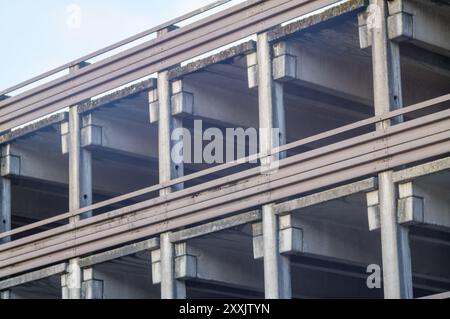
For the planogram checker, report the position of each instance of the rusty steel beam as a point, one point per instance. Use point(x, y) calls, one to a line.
point(213, 32)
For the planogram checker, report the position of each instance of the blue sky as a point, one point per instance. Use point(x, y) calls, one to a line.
point(35, 34)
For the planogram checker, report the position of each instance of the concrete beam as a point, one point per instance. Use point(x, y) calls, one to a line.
point(192, 99)
point(215, 226)
point(101, 131)
point(424, 204)
point(33, 276)
point(115, 97)
point(40, 162)
point(418, 204)
point(325, 196)
point(303, 235)
point(318, 70)
point(421, 170)
point(423, 23)
point(221, 57)
point(150, 245)
point(34, 127)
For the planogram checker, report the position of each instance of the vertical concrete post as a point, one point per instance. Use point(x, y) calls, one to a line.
point(397, 276)
point(5, 199)
point(80, 190)
point(277, 279)
point(80, 164)
point(168, 170)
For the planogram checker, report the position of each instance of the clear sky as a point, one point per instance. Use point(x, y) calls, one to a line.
point(37, 35)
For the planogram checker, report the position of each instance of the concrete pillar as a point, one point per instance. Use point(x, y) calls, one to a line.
point(5, 199)
point(80, 192)
point(397, 277)
point(168, 170)
point(71, 280)
point(80, 166)
point(271, 115)
point(91, 288)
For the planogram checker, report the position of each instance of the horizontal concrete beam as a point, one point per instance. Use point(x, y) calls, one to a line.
point(125, 93)
point(323, 239)
point(191, 98)
point(418, 204)
point(422, 22)
point(33, 276)
point(34, 127)
point(215, 226)
point(325, 196)
point(221, 57)
point(318, 70)
point(107, 132)
point(151, 244)
point(38, 162)
point(421, 170)
point(335, 12)
point(422, 203)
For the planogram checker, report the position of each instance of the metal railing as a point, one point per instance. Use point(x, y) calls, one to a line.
point(362, 155)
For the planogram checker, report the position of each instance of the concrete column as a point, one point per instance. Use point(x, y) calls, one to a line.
point(71, 281)
point(80, 191)
point(171, 288)
point(80, 166)
point(271, 115)
point(397, 277)
point(168, 170)
point(5, 200)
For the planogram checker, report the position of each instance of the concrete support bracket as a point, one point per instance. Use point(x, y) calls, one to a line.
point(91, 135)
point(91, 288)
point(290, 237)
point(400, 26)
point(182, 102)
point(185, 266)
point(10, 164)
point(284, 64)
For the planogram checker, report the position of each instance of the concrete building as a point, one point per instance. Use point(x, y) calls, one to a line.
point(358, 206)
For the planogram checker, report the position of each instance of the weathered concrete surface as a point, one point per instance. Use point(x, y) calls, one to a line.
point(221, 57)
point(28, 129)
point(128, 92)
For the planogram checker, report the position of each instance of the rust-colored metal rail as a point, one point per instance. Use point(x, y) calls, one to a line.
point(363, 155)
point(197, 38)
